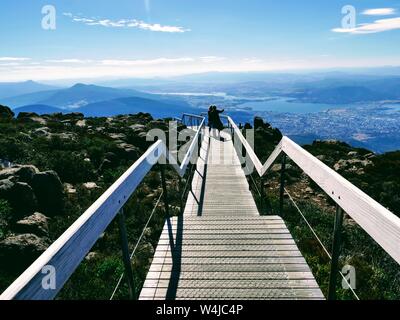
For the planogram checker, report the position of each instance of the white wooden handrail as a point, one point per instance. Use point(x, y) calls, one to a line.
point(193, 116)
point(68, 251)
point(380, 223)
point(181, 169)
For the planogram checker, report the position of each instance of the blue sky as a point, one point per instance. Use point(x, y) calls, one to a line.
point(146, 38)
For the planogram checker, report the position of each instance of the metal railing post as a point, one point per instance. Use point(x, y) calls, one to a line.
point(125, 254)
point(282, 185)
point(337, 239)
point(164, 187)
point(261, 194)
point(199, 144)
point(181, 190)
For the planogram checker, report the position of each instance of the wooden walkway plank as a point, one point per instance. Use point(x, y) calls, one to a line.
point(221, 248)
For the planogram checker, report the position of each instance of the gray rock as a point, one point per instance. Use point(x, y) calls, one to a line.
point(81, 123)
point(6, 113)
point(146, 252)
point(143, 135)
point(90, 186)
point(370, 156)
point(276, 168)
point(30, 117)
point(91, 256)
point(351, 165)
point(18, 251)
point(20, 196)
point(35, 224)
point(332, 141)
point(117, 136)
point(24, 137)
point(353, 154)
point(309, 190)
point(49, 192)
point(147, 232)
point(67, 123)
point(128, 151)
point(144, 117)
point(41, 132)
point(73, 116)
point(22, 173)
point(65, 135)
point(137, 128)
point(69, 189)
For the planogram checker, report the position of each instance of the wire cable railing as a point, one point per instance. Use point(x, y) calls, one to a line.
point(68, 251)
point(138, 242)
point(308, 224)
point(319, 241)
point(379, 223)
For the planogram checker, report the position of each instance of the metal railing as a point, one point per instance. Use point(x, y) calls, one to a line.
point(68, 251)
point(132, 292)
point(382, 225)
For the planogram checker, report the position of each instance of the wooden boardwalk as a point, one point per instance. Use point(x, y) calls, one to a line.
point(221, 248)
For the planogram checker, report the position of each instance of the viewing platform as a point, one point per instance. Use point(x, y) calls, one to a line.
point(221, 248)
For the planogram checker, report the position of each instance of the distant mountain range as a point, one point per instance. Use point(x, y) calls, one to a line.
point(11, 89)
point(131, 105)
point(277, 77)
point(97, 101)
point(340, 90)
point(323, 87)
point(38, 108)
point(73, 97)
point(335, 88)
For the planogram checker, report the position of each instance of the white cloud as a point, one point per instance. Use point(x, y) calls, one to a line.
point(210, 59)
point(252, 60)
point(150, 62)
point(9, 64)
point(13, 59)
point(374, 27)
point(114, 68)
point(379, 12)
point(127, 23)
point(68, 61)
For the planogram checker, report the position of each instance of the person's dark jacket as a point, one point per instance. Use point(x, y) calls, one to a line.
point(216, 120)
point(210, 119)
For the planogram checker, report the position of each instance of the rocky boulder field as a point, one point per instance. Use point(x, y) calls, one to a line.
point(52, 168)
point(28, 191)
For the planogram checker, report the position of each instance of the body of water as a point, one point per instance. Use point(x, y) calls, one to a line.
point(287, 105)
point(267, 103)
point(392, 106)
